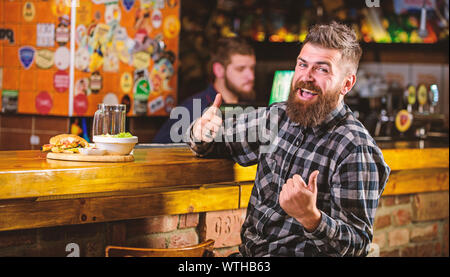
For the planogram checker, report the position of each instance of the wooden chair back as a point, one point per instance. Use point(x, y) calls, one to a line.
point(204, 249)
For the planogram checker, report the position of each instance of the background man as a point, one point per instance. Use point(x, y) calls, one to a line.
point(232, 70)
point(317, 191)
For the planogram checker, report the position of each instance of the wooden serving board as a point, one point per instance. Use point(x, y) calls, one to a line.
point(90, 158)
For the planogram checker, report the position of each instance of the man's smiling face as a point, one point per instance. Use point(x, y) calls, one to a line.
point(318, 85)
point(319, 70)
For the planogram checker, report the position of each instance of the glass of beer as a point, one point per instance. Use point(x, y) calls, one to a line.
point(109, 119)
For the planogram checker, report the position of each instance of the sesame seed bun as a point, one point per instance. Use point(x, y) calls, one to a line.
point(60, 139)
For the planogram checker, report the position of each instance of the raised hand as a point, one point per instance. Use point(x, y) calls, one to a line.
point(299, 200)
point(208, 125)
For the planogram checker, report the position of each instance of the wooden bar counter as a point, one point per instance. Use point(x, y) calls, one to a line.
point(38, 192)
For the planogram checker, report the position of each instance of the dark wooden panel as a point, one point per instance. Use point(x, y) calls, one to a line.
point(35, 214)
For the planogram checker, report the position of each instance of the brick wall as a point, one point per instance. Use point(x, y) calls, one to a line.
point(167, 231)
point(405, 225)
point(16, 130)
point(413, 225)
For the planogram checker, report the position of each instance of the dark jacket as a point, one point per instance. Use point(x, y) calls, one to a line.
point(207, 98)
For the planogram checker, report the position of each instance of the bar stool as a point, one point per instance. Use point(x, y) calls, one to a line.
point(204, 249)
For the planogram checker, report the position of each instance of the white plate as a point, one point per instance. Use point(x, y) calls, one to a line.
point(132, 139)
point(92, 151)
point(115, 146)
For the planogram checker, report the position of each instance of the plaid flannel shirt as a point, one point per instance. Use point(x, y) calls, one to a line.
point(352, 177)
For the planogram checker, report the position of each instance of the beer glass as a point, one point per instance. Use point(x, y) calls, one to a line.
point(109, 119)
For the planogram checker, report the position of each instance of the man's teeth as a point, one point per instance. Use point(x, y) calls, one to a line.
point(307, 91)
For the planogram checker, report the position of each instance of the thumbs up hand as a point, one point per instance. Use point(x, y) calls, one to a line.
point(206, 127)
point(299, 200)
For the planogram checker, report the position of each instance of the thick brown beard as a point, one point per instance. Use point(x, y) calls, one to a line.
point(242, 95)
point(310, 115)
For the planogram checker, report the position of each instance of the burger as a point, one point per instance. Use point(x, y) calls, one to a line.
point(65, 143)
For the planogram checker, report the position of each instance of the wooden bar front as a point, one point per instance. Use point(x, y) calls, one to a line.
point(37, 192)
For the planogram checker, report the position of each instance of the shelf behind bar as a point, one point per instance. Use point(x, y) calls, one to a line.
point(290, 50)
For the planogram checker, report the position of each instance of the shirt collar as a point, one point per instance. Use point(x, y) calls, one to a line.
point(331, 119)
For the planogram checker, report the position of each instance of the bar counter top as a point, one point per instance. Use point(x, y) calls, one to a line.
point(39, 192)
point(29, 174)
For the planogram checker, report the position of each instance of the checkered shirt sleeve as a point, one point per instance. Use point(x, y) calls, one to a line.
point(352, 176)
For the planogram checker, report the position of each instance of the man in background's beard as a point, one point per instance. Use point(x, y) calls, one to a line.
point(244, 96)
point(310, 114)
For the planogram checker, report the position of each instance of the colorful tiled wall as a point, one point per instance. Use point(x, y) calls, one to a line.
point(125, 51)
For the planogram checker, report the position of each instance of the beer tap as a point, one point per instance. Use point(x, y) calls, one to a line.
point(410, 96)
point(433, 97)
point(422, 97)
point(423, 33)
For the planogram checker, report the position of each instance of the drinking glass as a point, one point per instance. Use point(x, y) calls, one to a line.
point(109, 119)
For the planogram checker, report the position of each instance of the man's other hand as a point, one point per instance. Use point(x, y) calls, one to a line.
point(299, 200)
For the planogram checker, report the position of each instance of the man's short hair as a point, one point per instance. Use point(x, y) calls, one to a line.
point(227, 47)
point(337, 36)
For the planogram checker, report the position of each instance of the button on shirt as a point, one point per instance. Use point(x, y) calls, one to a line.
point(352, 177)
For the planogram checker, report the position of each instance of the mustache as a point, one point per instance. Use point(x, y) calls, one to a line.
point(307, 85)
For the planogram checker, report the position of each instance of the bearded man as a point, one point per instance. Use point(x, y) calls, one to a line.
point(316, 192)
point(232, 73)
